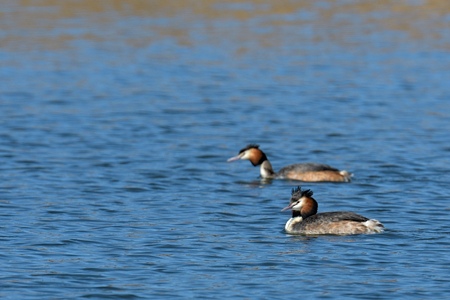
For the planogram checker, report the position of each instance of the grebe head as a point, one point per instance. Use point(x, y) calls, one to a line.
point(251, 153)
point(303, 202)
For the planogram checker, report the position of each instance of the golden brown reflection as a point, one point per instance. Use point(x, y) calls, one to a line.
point(32, 21)
point(212, 8)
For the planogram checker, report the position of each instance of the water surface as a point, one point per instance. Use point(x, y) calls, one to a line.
point(117, 121)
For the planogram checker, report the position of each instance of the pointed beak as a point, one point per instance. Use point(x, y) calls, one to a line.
point(289, 206)
point(237, 157)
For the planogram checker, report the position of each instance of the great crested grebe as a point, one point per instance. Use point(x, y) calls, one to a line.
point(305, 219)
point(311, 172)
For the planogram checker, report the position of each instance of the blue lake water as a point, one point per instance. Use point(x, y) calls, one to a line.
point(117, 121)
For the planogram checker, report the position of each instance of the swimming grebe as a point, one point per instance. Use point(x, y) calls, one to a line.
point(305, 172)
point(306, 220)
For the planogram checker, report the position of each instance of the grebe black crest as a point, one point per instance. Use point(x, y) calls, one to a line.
point(249, 146)
point(297, 193)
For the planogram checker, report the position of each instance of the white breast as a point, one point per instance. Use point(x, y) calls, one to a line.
point(289, 227)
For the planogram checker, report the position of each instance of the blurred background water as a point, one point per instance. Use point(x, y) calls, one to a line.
point(117, 119)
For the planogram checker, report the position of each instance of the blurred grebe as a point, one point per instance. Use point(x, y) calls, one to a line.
point(306, 220)
point(311, 172)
